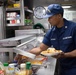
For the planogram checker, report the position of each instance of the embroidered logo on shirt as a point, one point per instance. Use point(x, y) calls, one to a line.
point(68, 37)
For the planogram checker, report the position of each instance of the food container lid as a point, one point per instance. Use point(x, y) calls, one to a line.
point(23, 65)
point(28, 65)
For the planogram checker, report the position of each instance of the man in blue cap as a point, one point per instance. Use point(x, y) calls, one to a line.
point(62, 36)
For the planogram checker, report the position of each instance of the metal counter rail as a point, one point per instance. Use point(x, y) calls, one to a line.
point(29, 32)
point(26, 42)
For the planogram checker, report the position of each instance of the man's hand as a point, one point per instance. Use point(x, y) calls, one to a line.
point(60, 55)
point(39, 49)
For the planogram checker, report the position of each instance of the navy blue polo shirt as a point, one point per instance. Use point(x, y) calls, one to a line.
point(64, 39)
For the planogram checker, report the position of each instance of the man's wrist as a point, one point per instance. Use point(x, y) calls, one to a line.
point(67, 55)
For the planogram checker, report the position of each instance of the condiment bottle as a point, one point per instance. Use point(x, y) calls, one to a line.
point(6, 69)
point(28, 68)
point(2, 70)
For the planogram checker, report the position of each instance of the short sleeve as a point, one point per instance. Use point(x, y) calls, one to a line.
point(46, 39)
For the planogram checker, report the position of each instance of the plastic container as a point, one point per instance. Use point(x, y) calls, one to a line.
point(23, 66)
point(6, 69)
point(11, 68)
point(22, 70)
point(2, 70)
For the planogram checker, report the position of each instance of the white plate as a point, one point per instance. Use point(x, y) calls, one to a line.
point(50, 54)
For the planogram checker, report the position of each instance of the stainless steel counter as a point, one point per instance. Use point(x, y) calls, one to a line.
point(49, 69)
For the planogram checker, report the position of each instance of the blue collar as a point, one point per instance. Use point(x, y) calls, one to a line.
point(64, 27)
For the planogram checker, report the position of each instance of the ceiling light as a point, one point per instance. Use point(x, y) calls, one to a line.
point(66, 0)
point(66, 6)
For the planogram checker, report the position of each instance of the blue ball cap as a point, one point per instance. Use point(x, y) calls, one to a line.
point(53, 9)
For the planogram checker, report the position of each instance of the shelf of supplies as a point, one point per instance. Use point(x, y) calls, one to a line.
point(11, 1)
point(12, 9)
point(17, 9)
point(17, 24)
point(13, 18)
